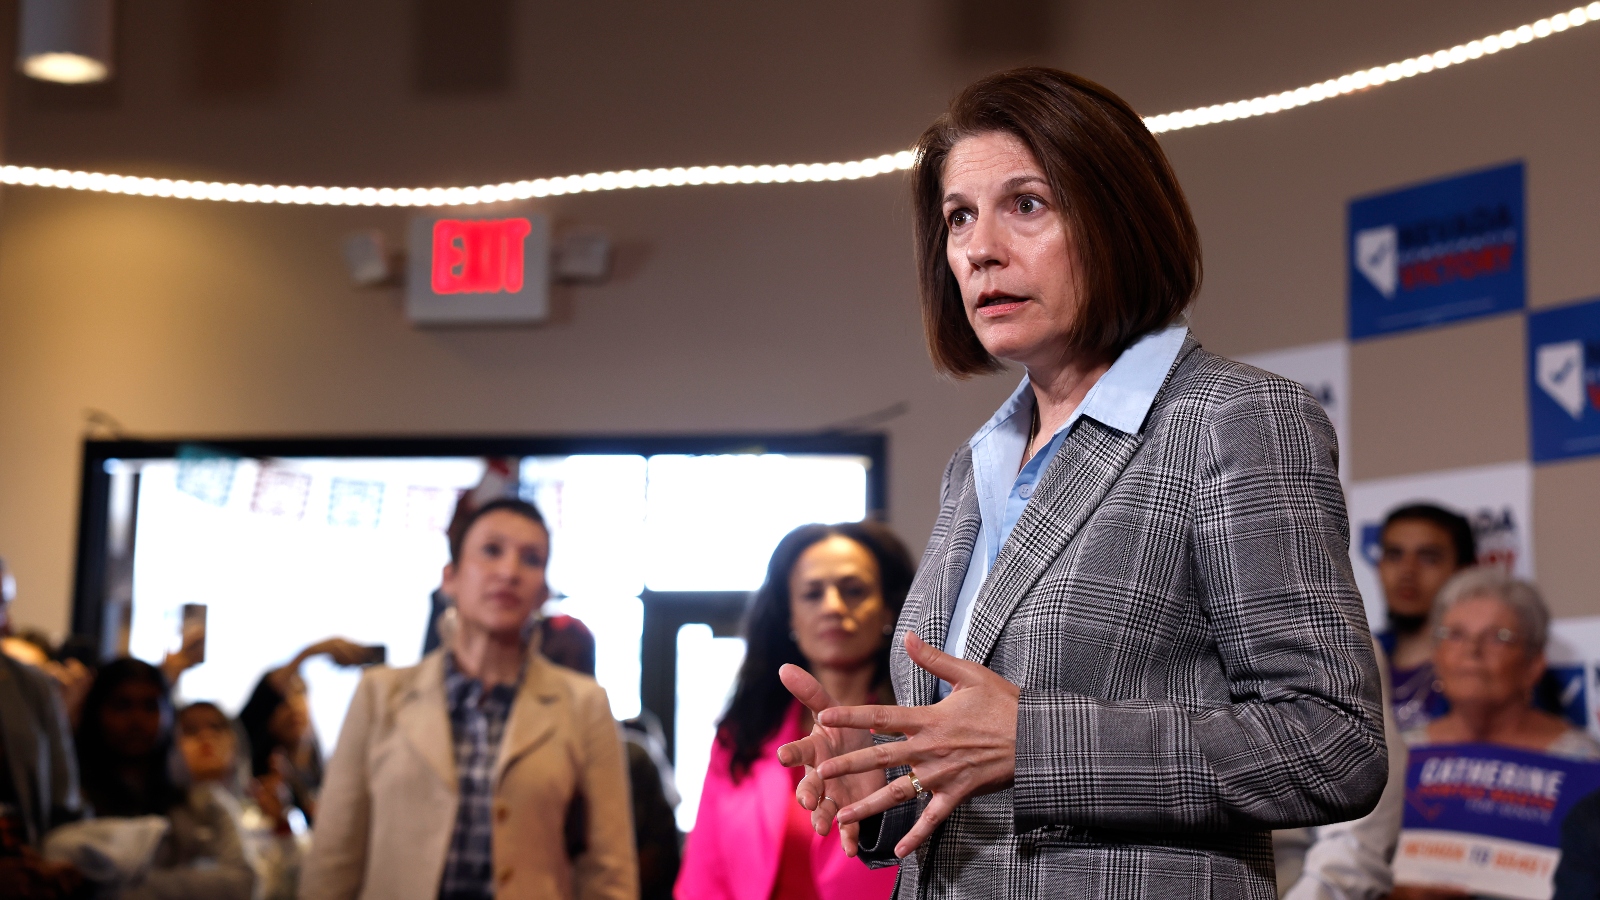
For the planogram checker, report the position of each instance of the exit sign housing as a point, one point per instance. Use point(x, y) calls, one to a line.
point(478, 270)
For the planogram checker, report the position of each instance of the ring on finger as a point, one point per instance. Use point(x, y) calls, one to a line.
point(916, 784)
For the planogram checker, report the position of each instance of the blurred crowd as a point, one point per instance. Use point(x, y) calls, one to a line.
point(1464, 648)
point(500, 737)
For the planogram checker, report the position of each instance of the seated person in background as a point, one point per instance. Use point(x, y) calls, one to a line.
point(210, 746)
point(568, 642)
point(285, 756)
point(484, 770)
point(829, 603)
point(124, 755)
point(1489, 633)
point(1422, 546)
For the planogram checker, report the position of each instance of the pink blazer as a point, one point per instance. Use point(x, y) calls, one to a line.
point(732, 854)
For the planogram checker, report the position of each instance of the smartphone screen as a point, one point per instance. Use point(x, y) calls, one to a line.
point(376, 654)
point(192, 631)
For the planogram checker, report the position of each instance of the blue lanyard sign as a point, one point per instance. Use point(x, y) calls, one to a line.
point(1438, 252)
point(1487, 818)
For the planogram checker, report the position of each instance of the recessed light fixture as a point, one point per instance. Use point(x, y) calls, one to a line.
point(65, 41)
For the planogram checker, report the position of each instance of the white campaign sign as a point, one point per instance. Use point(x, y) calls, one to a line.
point(1497, 499)
point(1481, 864)
point(1324, 370)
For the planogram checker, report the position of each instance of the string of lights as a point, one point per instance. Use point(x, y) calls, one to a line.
point(1365, 79)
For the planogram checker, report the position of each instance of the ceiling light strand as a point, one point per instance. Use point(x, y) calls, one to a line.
point(301, 195)
point(1375, 76)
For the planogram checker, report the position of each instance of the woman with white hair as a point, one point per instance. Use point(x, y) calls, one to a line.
point(1489, 636)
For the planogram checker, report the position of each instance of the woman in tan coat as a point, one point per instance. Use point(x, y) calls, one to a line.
point(483, 771)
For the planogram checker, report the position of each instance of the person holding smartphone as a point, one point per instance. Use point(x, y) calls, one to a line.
point(285, 755)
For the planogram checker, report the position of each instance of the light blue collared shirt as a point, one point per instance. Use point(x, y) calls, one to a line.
point(1120, 399)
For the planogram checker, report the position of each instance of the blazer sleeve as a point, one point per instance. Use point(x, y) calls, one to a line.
point(336, 865)
point(1353, 859)
point(879, 834)
point(1301, 742)
point(704, 874)
point(606, 870)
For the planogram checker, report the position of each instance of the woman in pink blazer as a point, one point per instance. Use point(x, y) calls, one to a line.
point(829, 604)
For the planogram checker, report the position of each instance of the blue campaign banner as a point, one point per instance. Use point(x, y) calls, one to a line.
point(1486, 820)
point(1437, 252)
point(1564, 381)
point(1495, 792)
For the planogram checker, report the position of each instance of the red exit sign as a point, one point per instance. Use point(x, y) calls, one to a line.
point(478, 256)
point(471, 271)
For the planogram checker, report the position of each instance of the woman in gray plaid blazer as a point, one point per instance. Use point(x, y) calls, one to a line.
point(1153, 648)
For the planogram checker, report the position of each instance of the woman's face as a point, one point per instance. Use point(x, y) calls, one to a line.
point(206, 740)
point(291, 721)
point(836, 605)
point(1482, 657)
point(1011, 250)
point(499, 581)
point(131, 719)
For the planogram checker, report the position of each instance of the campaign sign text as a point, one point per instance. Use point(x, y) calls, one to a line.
point(1487, 818)
point(1564, 381)
point(1438, 252)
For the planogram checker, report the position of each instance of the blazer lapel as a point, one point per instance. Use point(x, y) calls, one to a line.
point(1090, 461)
point(533, 718)
point(423, 716)
point(949, 571)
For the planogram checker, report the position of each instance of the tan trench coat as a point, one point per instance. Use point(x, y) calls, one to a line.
point(388, 803)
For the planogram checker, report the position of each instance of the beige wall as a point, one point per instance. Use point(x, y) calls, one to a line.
point(770, 307)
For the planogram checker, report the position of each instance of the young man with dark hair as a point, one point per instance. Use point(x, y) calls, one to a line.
point(1422, 546)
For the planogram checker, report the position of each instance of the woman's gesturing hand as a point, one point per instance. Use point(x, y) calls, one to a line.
point(962, 746)
point(824, 799)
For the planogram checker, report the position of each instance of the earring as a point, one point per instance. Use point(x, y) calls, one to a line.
point(794, 637)
point(888, 629)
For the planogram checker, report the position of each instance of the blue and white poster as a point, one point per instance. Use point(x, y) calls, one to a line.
point(1564, 381)
point(1438, 252)
point(1487, 818)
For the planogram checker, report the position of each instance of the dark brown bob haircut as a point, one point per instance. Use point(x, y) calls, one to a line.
point(1138, 253)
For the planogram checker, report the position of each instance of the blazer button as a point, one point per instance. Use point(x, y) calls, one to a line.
point(502, 813)
point(505, 875)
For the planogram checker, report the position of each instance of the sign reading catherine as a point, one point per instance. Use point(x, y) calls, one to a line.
point(477, 271)
point(1564, 381)
point(1487, 818)
point(1437, 252)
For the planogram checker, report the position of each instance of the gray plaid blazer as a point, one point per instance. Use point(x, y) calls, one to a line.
point(1178, 609)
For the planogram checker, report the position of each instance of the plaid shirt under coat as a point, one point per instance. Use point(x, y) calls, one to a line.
point(477, 725)
point(1178, 609)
